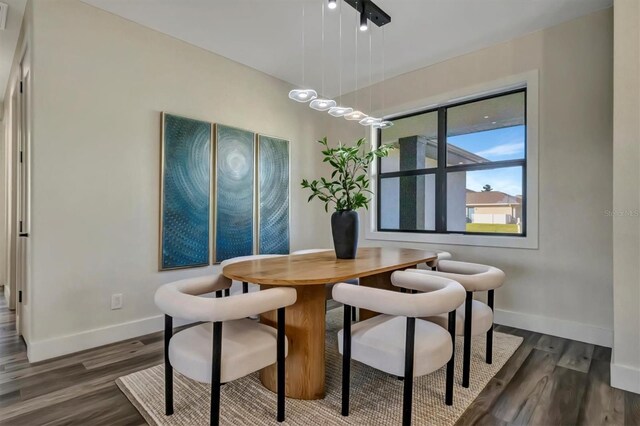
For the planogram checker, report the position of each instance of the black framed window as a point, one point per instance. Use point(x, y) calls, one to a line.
point(458, 168)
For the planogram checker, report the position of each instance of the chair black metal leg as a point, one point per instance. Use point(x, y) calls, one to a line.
point(245, 287)
point(408, 371)
point(353, 313)
point(448, 399)
point(216, 360)
point(218, 293)
point(346, 359)
point(489, 354)
point(168, 369)
point(466, 360)
point(227, 292)
point(281, 365)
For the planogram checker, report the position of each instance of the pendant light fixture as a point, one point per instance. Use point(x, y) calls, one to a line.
point(355, 116)
point(382, 124)
point(363, 20)
point(303, 95)
point(340, 111)
point(322, 104)
point(367, 11)
point(368, 121)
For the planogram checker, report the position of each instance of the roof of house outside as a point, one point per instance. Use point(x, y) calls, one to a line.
point(491, 197)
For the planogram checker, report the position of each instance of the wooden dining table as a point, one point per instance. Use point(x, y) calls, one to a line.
point(305, 320)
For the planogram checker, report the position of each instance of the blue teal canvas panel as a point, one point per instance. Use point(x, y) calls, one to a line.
point(235, 189)
point(273, 169)
point(186, 192)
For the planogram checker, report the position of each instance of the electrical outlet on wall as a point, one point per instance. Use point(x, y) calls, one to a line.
point(116, 301)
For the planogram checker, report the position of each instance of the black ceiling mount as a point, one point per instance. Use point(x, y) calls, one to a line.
point(371, 11)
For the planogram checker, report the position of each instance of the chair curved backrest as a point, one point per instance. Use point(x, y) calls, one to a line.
point(442, 255)
point(440, 296)
point(182, 299)
point(473, 276)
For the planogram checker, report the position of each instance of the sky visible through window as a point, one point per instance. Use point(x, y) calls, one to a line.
point(495, 145)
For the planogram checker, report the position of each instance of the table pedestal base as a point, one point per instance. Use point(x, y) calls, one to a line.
point(305, 330)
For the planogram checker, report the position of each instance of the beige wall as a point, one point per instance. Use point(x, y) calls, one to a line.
point(100, 83)
point(9, 163)
point(3, 206)
point(565, 286)
point(625, 369)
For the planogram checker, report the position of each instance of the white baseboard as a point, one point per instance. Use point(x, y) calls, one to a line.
point(7, 293)
point(625, 378)
point(41, 350)
point(556, 327)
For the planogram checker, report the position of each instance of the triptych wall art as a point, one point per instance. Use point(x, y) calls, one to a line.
point(224, 193)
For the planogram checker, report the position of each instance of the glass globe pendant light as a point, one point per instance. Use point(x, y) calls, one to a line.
point(368, 121)
point(382, 124)
point(322, 104)
point(338, 111)
point(303, 95)
point(355, 116)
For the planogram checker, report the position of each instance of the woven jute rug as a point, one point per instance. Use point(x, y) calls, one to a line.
point(376, 397)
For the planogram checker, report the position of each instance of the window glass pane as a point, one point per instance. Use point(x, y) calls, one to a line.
point(417, 141)
point(408, 203)
point(485, 201)
point(489, 130)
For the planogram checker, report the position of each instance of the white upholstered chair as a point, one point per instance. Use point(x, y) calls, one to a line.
point(245, 285)
point(329, 286)
point(397, 341)
point(442, 255)
point(226, 346)
point(475, 317)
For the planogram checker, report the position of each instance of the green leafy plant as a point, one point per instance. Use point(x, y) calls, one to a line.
point(348, 187)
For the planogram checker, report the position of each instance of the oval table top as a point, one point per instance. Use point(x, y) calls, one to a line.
point(323, 267)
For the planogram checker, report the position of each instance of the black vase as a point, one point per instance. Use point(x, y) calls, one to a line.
point(344, 227)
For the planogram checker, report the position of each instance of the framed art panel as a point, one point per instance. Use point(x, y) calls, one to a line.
point(235, 170)
point(185, 192)
point(273, 195)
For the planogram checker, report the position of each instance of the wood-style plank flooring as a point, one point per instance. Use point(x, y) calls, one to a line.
point(548, 381)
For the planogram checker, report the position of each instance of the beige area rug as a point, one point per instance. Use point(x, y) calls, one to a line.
point(376, 398)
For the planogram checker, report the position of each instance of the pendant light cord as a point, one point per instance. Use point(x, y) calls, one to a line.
point(322, 52)
point(303, 70)
point(384, 83)
point(340, 64)
point(356, 56)
point(370, 92)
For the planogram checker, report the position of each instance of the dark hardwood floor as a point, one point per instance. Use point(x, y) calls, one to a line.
point(548, 381)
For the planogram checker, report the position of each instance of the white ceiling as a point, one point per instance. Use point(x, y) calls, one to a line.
point(9, 40)
point(267, 34)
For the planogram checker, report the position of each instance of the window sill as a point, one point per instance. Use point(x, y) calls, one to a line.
point(501, 241)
